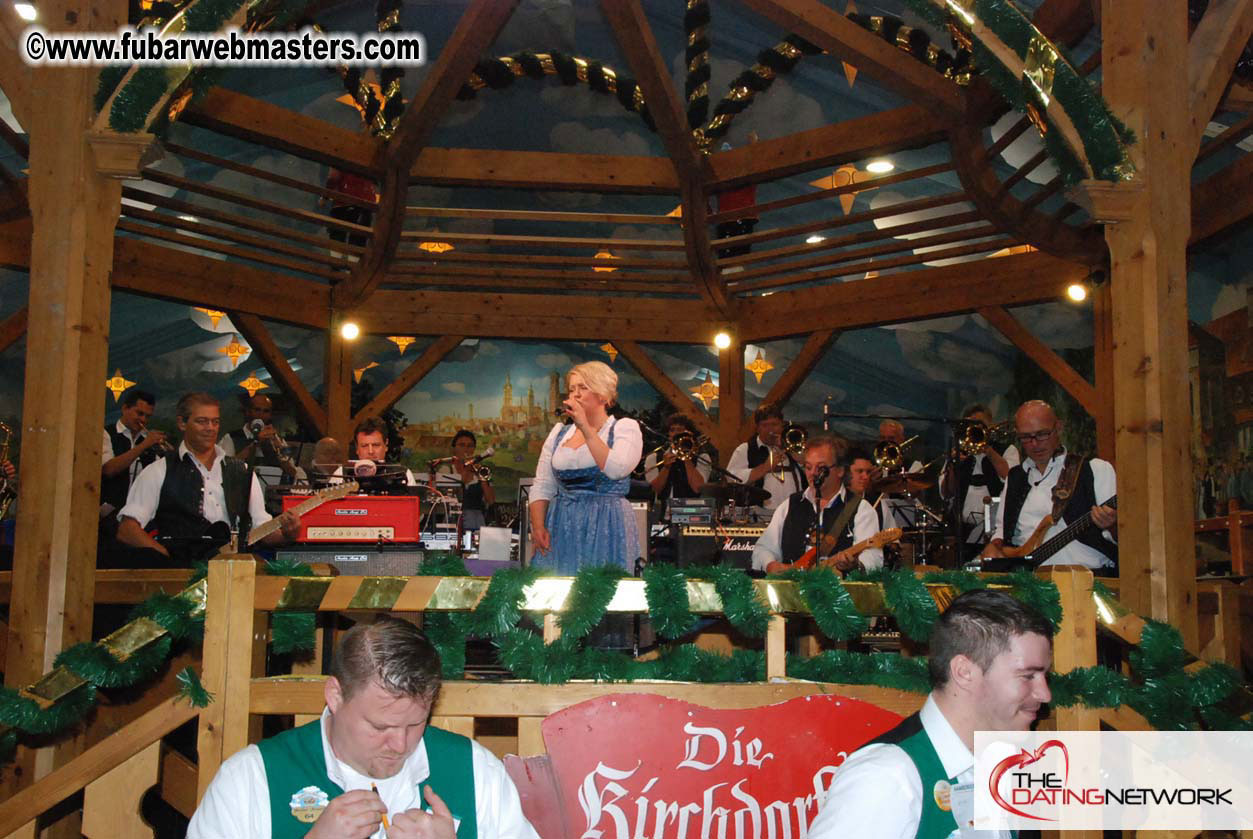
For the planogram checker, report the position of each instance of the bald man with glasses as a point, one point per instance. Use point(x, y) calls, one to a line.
point(1028, 496)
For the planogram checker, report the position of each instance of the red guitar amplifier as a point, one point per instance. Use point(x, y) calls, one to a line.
point(360, 518)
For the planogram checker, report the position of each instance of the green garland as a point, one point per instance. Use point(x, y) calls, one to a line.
point(593, 588)
point(91, 661)
point(291, 632)
point(739, 600)
point(447, 631)
point(907, 597)
point(1039, 594)
point(191, 689)
point(26, 715)
point(499, 610)
point(960, 581)
point(665, 587)
point(829, 602)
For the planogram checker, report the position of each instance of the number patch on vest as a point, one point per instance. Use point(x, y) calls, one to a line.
point(308, 804)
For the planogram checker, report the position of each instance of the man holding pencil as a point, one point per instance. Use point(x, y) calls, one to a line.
point(371, 767)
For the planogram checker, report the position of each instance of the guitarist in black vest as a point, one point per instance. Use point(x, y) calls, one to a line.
point(1029, 495)
point(193, 492)
point(797, 519)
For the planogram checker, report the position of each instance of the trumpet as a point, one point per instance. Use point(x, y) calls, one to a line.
point(889, 456)
point(975, 435)
point(481, 469)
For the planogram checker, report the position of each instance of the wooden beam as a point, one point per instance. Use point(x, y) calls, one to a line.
point(675, 395)
point(1213, 49)
point(1103, 369)
point(16, 77)
point(13, 328)
point(476, 30)
point(253, 120)
point(1039, 352)
point(414, 373)
point(1142, 52)
point(908, 127)
point(630, 26)
point(308, 411)
point(1222, 201)
point(505, 169)
point(870, 54)
point(337, 383)
point(582, 317)
point(730, 399)
point(999, 206)
point(911, 295)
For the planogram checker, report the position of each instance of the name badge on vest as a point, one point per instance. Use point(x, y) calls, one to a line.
point(307, 804)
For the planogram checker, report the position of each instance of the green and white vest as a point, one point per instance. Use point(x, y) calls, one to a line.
point(937, 820)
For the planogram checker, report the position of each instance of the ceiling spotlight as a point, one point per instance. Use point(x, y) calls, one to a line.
point(25, 11)
point(815, 239)
point(880, 167)
point(1077, 292)
point(349, 330)
point(722, 340)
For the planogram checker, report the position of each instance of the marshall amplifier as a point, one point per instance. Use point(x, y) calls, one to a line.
point(732, 546)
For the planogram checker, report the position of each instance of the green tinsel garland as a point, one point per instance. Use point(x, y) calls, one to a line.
point(498, 610)
point(739, 600)
point(1095, 687)
point(173, 613)
point(829, 602)
point(291, 632)
point(92, 662)
point(1037, 593)
point(665, 587)
point(191, 689)
point(908, 599)
point(447, 631)
point(960, 581)
point(528, 657)
point(16, 711)
point(850, 668)
point(1160, 651)
point(593, 588)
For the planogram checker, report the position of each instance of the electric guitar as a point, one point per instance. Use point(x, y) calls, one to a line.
point(313, 501)
point(1033, 552)
point(883, 537)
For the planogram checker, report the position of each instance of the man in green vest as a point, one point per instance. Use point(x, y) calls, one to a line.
point(990, 655)
point(371, 767)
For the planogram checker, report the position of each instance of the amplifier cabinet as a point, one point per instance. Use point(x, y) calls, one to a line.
point(359, 561)
point(704, 545)
point(360, 518)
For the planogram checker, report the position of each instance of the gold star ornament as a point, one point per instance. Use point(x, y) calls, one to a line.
point(360, 371)
point(759, 366)
point(401, 341)
point(214, 315)
point(706, 391)
point(611, 351)
point(117, 384)
point(436, 247)
point(236, 351)
point(608, 269)
point(252, 384)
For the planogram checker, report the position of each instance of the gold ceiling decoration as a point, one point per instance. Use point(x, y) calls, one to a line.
point(252, 384)
point(605, 254)
point(117, 384)
point(611, 351)
point(436, 247)
point(214, 315)
point(706, 391)
point(236, 351)
point(759, 366)
point(402, 341)
point(844, 176)
point(360, 371)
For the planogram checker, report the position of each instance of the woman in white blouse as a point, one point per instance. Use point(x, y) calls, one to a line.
point(579, 512)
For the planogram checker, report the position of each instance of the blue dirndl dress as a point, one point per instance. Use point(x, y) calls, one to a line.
point(590, 520)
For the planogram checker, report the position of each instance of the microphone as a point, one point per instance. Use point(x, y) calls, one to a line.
point(255, 427)
point(364, 468)
point(820, 477)
point(479, 458)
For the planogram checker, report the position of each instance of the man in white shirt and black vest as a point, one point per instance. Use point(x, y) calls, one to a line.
point(989, 659)
point(801, 517)
point(128, 447)
point(751, 461)
point(371, 766)
point(195, 492)
point(1086, 488)
point(969, 479)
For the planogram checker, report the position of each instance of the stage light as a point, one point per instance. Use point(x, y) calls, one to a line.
point(25, 11)
point(1077, 292)
point(815, 239)
point(722, 340)
point(880, 167)
point(349, 330)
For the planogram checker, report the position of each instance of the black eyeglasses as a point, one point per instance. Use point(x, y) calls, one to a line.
point(1037, 437)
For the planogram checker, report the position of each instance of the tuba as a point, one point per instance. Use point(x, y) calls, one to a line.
point(8, 487)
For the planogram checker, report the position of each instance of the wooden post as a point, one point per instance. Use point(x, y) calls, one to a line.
point(730, 398)
point(776, 648)
point(74, 211)
point(111, 802)
point(1103, 348)
point(1074, 646)
point(228, 646)
point(337, 385)
point(1148, 92)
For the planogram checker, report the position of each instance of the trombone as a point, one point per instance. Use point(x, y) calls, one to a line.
point(683, 446)
point(794, 438)
point(975, 435)
point(890, 456)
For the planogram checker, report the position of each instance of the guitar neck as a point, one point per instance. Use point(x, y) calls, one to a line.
point(1068, 535)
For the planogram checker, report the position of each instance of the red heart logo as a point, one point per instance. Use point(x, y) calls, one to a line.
point(1026, 758)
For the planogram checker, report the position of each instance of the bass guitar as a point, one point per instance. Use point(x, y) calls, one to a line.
point(809, 557)
point(1035, 550)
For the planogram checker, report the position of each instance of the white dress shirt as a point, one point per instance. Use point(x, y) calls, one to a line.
point(865, 524)
point(145, 492)
point(779, 490)
point(972, 506)
point(878, 792)
point(624, 456)
point(237, 803)
point(1039, 503)
point(106, 452)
